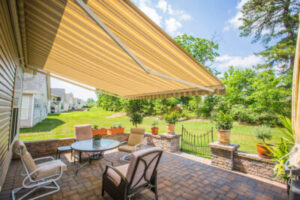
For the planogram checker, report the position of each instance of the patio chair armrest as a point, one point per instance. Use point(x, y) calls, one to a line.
point(122, 143)
point(137, 146)
point(43, 158)
point(32, 179)
point(123, 178)
point(289, 170)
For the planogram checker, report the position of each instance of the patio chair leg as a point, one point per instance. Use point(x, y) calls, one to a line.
point(80, 156)
point(56, 188)
point(126, 157)
point(102, 191)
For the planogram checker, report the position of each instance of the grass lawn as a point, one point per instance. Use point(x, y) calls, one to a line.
point(62, 126)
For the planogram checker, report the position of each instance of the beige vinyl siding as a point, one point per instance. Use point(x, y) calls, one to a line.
point(8, 65)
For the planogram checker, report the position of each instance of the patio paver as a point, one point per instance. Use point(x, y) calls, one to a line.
point(178, 178)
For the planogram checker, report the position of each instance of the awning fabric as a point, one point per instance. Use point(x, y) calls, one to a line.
point(59, 37)
point(296, 95)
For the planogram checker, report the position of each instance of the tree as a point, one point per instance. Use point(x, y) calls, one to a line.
point(136, 118)
point(110, 103)
point(256, 96)
point(201, 49)
point(274, 23)
point(90, 102)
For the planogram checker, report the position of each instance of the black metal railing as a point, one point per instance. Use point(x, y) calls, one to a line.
point(195, 142)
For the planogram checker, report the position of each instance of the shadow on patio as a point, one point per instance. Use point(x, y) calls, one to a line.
point(178, 178)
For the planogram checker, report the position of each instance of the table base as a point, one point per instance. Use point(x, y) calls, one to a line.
point(96, 156)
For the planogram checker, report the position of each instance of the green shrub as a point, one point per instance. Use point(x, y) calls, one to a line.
point(119, 125)
point(242, 114)
point(172, 117)
point(224, 121)
point(186, 114)
point(280, 150)
point(136, 118)
point(95, 126)
point(263, 133)
point(154, 123)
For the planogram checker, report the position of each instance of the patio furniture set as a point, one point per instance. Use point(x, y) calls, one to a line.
point(122, 182)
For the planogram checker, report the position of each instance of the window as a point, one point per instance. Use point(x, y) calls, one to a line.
point(14, 124)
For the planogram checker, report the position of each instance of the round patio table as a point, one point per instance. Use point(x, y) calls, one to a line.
point(97, 149)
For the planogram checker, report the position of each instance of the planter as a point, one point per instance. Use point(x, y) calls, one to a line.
point(154, 130)
point(171, 129)
point(224, 136)
point(262, 151)
point(116, 131)
point(102, 131)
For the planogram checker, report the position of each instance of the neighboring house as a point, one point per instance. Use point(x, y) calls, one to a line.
point(70, 101)
point(59, 99)
point(55, 106)
point(35, 98)
point(78, 103)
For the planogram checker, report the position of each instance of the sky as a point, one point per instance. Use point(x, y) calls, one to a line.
point(216, 20)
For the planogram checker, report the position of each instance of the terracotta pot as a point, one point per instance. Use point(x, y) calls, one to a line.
point(122, 130)
point(116, 131)
point(224, 136)
point(102, 131)
point(262, 151)
point(154, 130)
point(171, 129)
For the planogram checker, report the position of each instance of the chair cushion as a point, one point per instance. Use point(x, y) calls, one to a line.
point(127, 148)
point(137, 131)
point(29, 162)
point(114, 176)
point(150, 156)
point(135, 139)
point(83, 132)
point(20, 145)
point(50, 168)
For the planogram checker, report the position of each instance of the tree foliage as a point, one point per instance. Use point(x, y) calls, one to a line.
point(275, 24)
point(201, 49)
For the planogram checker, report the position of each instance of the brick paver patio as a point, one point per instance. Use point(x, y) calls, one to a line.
point(178, 178)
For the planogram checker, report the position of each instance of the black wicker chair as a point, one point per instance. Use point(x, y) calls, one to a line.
point(293, 182)
point(123, 182)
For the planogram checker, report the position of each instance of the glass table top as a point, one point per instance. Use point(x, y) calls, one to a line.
point(92, 146)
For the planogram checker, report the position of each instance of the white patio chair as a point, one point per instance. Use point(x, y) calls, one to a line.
point(38, 175)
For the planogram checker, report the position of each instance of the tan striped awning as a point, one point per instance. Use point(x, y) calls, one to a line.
point(60, 37)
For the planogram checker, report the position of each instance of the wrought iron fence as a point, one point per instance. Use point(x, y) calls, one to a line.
point(195, 142)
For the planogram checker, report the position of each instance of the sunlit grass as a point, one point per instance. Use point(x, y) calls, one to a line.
point(62, 126)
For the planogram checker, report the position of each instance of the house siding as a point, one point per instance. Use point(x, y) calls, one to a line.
point(36, 89)
point(9, 67)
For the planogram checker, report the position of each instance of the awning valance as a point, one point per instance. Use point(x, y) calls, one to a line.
point(60, 37)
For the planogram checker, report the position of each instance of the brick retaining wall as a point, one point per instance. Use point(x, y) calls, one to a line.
point(253, 164)
point(227, 157)
point(168, 142)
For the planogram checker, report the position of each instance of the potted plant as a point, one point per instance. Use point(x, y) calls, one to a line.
point(116, 129)
point(263, 133)
point(136, 118)
point(154, 127)
point(97, 131)
point(224, 125)
point(120, 128)
point(171, 119)
point(113, 129)
point(96, 140)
